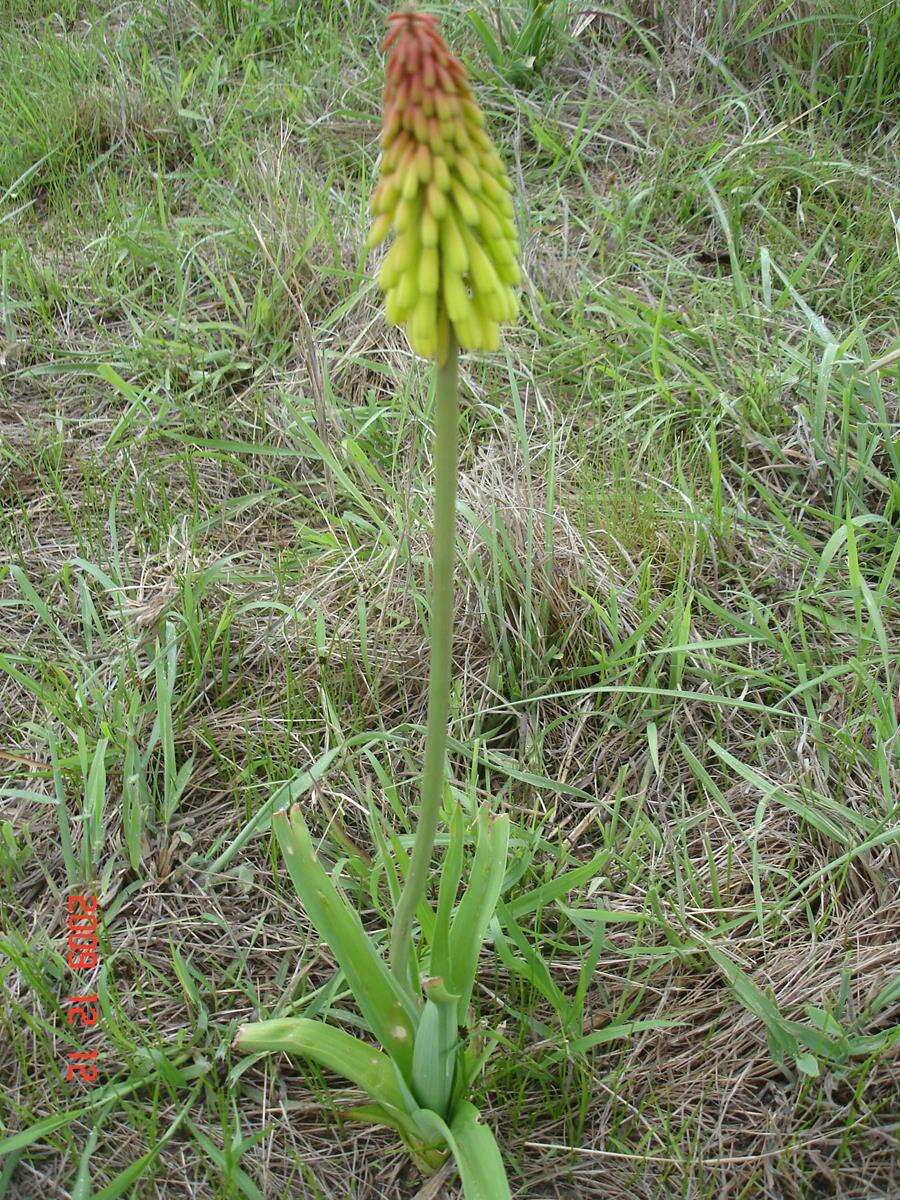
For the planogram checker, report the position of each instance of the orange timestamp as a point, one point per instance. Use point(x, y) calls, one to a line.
point(83, 954)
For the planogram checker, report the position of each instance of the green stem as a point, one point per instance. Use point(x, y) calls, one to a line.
point(446, 430)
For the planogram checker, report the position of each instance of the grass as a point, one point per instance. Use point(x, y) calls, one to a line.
point(677, 623)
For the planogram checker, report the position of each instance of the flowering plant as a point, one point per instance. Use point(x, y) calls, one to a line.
point(449, 278)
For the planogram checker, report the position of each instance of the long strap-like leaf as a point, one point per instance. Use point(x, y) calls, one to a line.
point(435, 1051)
point(477, 906)
point(451, 872)
point(475, 1150)
point(330, 1047)
point(381, 1000)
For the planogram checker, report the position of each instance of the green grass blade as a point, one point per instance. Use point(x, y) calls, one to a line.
point(530, 966)
point(378, 1114)
point(47, 1125)
point(236, 1180)
point(94, 805)
point(81, 1188)
point(261, 820)
point(65, 829)
point(825, 814)
point(132, 1173)
point(555, 889)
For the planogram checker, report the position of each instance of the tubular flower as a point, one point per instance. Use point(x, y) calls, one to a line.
point(445, 193)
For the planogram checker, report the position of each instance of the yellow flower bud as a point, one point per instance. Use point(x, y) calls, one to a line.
point(435, 140)
point(508, 270)
point(464, 202)
point(379, 231)
point(423, 326)
point(470, 175)
point(437, 201)
point(423, 162)
point(453, 247)
point(445, 107)
point(510, 303)
point(441, 174)
point(481, 268)
point(430, 230)
point(395, 312)
point(456, 298)
point(491, 336)
point(405, 214)
point(429, 270)
point(393, 265)
point(488, 221)
point(407, 290)
point(496, 192)
point(473, 112)
point(410, 185)
point(468, 331)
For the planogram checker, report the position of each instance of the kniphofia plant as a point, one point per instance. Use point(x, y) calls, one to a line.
point(449, 278)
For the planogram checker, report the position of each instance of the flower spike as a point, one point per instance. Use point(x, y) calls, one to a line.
point(444, 192)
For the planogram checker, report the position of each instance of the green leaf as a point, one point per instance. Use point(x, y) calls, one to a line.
point(26, 587)
point(82, 1188)
point(621, 1029)
point(555, 889)
point(428, 1157)
point(875, 1043)
point(530, 966)
point(382, 1001)
point(6, 1174)
point(435, 1049)
point(234, 1176)
point(785, 1036)
point(888, 996)
point(262, 818)
point(135, 801)
point(451, 872)
point(477, 1156)
point(189, 985)
point(488, 40)
point(65, 829)
point(330, 1047)
point(381, 1114)
point(747, 992)
point(470, 922)
point(827, 815)
point(808, 1064)
point(475, 1150)
point(47, 1125)
point(94, 803)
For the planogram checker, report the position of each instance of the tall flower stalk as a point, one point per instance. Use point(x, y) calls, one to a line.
point(449, 280)
point(446, 438)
